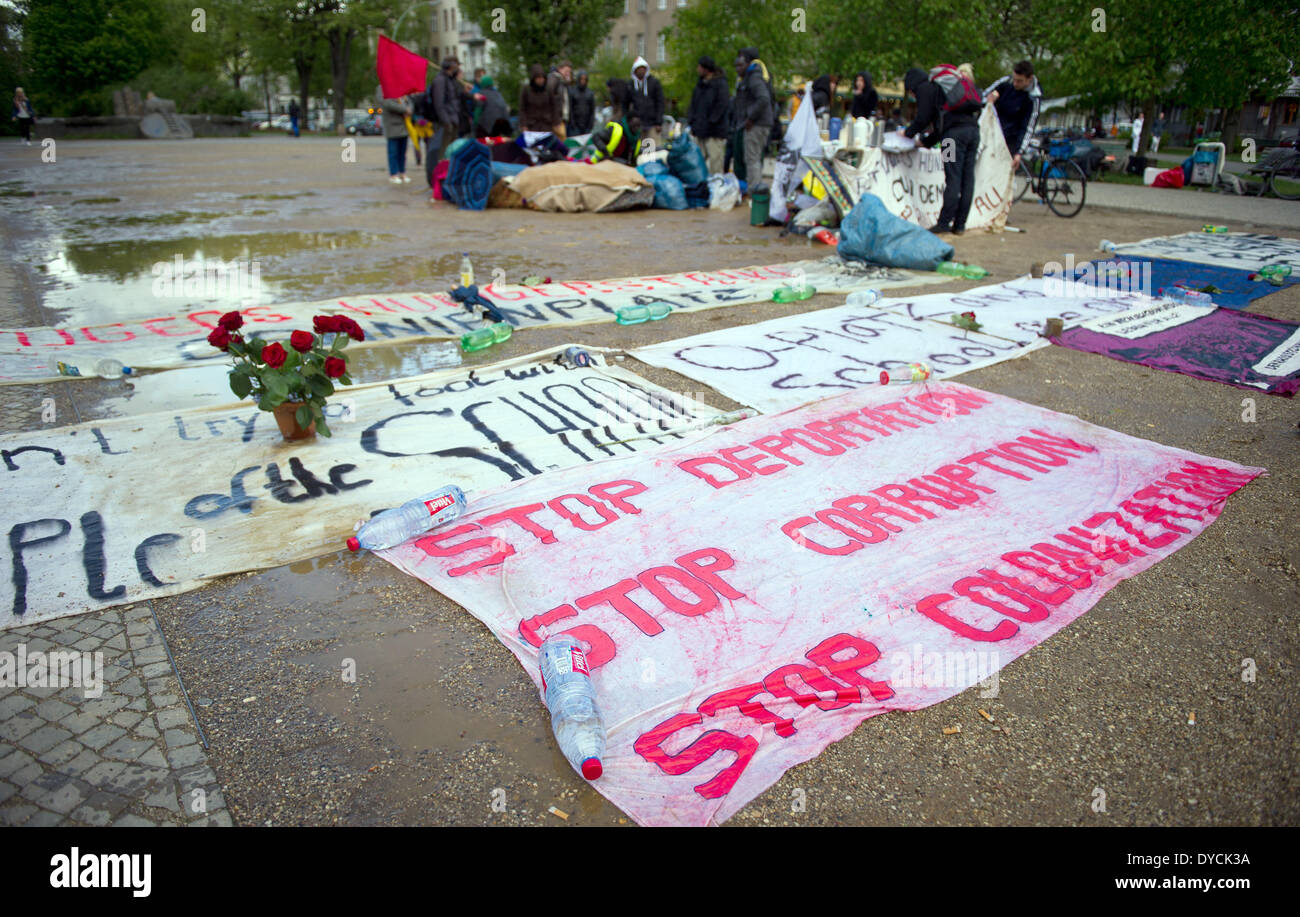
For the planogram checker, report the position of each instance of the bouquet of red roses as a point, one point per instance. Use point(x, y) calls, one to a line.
point(304, 374)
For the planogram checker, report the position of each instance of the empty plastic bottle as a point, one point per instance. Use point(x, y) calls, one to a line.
point(1107, 246)
point(863, 298)
point(483, 338)
point(912, 372)
point(106, 368)
point(1182, 294)
point(569, 695)
point(466, 270)
point(414, 517)
point(575, 356)
point(794, 294)
point(635, 315)
point(733, 417)
point(1276, 274)
point(1209, 227)
point(965, 271)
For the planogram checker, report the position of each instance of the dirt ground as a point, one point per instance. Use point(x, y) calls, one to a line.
point(441, 719)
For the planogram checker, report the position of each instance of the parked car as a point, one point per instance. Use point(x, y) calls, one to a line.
point(367, 125)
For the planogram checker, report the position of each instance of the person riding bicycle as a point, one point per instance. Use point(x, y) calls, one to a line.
point(1017, 99)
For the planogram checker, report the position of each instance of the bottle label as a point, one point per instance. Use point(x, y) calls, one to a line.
point(575, 661)
point(437, 504)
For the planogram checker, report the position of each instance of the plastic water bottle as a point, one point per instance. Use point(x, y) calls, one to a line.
point(863, 298)
point(1107, 246)
point(912, 372)
point(794, 294)
point(575, 357)
point(466, 270)
point(1192, 297)
point(635, 315)
point(575, 715)
point(965, 271)
point(106, 368)
point(483, 338)
point(1210, 227)
point(731, 417)
point(414, 517)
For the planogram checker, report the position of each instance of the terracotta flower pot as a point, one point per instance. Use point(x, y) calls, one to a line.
point(289, 426)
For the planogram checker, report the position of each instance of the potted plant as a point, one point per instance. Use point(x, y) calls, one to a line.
point(291, 382)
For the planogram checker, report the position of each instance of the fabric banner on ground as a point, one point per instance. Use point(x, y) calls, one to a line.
point(1247, 251)
point(782, 363)
point(911, 184)
point(127, 509)
point(749, 596)
point(167, 341)
point(1231, 288)
point(1239, 348)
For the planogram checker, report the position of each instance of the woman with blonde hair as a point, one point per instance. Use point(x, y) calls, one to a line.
point(24, 114)
point(967, 71)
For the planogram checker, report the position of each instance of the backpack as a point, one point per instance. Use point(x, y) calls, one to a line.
point(959, 93)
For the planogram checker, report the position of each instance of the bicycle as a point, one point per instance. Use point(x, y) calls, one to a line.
point(1278, 172)
point(1058, 180)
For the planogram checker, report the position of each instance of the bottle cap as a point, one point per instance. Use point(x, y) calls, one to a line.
point(353, 544)
point(591, 769)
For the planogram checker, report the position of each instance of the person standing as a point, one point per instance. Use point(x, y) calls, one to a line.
point(754, 110)
point(557, 81)
point(24, 114)
point(865, 97)
point(539, 106)
point(444, 103)
point(958, 134)
point(1017, 99)
point(491, 114)
point(395, 113)
point(294, 112)
point(709, 113)
point(647, 99)
point(582, 106)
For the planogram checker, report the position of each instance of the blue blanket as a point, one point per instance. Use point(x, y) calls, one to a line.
point(1236, 289)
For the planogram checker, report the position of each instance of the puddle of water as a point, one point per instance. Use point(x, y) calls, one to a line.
point(97, 200)
point(148, 219)
point(275, 197)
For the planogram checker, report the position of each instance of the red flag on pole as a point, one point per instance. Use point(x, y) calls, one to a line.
point(401, 72)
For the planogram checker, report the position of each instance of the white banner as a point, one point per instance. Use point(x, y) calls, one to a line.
point(120, 510)
point(750, 596)
point(1246, 251)
point(911, 184)
point(168, 340)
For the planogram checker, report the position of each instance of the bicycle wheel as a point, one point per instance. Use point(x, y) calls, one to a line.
point(1285, 183)
point(1021, 182)
point(1065, 187)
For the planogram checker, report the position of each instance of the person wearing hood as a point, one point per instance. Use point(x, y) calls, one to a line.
point(1017, 99)
point(558, 82)
point(539, 106)
point(582, 106)
point(959, 136)
point(491, 114)
point(754, 111)
point(709, 113)
point(865, 97)
point(647, 98)
point(823, 93)
point(444, 103)
point(618, 140)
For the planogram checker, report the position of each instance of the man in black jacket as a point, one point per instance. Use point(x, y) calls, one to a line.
point(646, 98)
point(1017, 99)
point(443, 101)
point(754, 111)
point(709, 113)
point(958, 136)
point(582, 106)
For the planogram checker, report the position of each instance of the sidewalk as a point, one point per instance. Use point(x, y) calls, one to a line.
point(1201, 205)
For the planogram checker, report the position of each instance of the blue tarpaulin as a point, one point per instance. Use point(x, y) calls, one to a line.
point(871, 233)
point(1236, 289)
point(469, 177)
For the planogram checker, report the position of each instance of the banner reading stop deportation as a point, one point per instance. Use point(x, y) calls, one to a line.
point(165, 341)
point(749, 596)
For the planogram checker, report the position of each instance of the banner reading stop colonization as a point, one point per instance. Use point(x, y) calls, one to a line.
point(750, 595)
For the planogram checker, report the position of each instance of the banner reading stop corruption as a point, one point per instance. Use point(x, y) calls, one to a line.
point(748, 596)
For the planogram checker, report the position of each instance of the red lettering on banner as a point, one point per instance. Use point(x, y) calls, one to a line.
point(1068, 562)
point(889, 420)
point(65, 335)
point(194, 317)
point(863, 531)
point(650, 747)
point(618, 497)
point(962, 477)
point(708, 572)
point(1037, 457)
point(981, 458)
point(23, 339)
point(520, 515)
point(849, 670)
point(606, 514)
point(797, 433)
point(90, 336)
point(432, 545)
point(908, 497)
point(255, 314)
point(691, 466)
point(742, 699)
point(1048, 570)
point(706, 600)
point(600, 647)
point(873, 512)
point(769, 445)
point(837, 432)
point(1055, 597)
point(777, 684)
point(751, 464)
point(932, 607)
point(901, 409)
point(857, 419)
point(1159, 541)
point(968, 586)
point(149, 326)
point(616, 596)
point(794, 531)
point(931, 483)
point(1047, 439)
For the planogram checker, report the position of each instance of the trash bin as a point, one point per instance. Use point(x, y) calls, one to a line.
point(759, 199)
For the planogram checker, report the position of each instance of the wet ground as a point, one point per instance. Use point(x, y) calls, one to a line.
point(441, 726)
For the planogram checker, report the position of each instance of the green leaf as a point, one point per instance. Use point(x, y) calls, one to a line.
point(240, 384)
point(303, 416)
point(322, 427)
point(320, 386)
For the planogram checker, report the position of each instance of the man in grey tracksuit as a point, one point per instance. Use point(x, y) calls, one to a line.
point(754, 105)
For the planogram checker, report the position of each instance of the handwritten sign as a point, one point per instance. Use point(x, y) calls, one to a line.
point(718, 585)
point(1247, 251)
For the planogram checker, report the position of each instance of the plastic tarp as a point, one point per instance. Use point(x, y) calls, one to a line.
point(871, 233)
point(469, 177)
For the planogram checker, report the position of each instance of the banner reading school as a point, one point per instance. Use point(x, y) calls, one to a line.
point(749, 596)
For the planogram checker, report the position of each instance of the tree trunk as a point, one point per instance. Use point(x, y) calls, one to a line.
point(266, 88)
point(304, 68)
point(340, 39)
point(1231, 122)
point(1148, 124)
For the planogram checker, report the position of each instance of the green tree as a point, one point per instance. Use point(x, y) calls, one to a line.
point(12, 74)
point(77, 50)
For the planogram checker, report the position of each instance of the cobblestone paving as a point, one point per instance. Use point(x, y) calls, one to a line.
point(128, 755)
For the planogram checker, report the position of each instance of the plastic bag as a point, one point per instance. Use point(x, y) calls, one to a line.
point(871, 233)
point(724, 192)
point(687, 162)
point(669, 193)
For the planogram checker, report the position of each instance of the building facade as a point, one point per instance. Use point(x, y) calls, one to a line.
point(640, 30)
point(452, 35)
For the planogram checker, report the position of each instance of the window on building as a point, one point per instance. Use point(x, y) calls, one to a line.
point(625, 7)
point(453, 17)
point(681, 3)
point(640, 46)
point(609, 42)
point(623, 41)
point(663, 4)
point(662, 50)
point(640, 6)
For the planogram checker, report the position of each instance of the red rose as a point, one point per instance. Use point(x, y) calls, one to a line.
point(324, 324)
point(219, 338)
point(351, 329)
point(301, 341)
point(231, 321)
point(273, 355)
point(969, 315)
point(335, 367)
